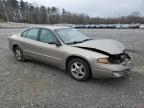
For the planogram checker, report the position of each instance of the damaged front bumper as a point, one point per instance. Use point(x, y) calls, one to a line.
point(112, 70)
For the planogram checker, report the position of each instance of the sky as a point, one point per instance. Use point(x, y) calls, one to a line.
point(96, 8)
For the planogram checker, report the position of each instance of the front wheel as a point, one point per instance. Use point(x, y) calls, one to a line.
point(18, 54)
point(79, 69)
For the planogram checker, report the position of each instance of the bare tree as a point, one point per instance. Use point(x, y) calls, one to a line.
point(20, 11)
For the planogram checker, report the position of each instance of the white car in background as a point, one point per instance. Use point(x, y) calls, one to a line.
point(142, 26)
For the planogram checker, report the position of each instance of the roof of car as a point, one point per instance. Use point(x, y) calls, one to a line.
point(51, 27)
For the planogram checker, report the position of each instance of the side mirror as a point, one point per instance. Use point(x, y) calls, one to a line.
point(57, 43)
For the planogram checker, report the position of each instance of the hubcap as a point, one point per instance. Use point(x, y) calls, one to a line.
point(18, 54)
point(78, 70)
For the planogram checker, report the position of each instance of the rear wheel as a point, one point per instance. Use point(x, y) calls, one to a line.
point(18, 54)
point(79, 69)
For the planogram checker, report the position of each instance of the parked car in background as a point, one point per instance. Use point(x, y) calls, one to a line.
point(72, 51)
point(118, 26)
point(142, 26)
point(125, 26)
point(109, 26)
point(134, 26)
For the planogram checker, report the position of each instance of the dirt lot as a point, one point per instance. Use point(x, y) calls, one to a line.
point(36, 85)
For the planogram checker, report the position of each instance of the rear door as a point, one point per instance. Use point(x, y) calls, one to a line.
point(30, 42)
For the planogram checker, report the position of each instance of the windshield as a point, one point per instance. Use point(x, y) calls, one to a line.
point(68, 35)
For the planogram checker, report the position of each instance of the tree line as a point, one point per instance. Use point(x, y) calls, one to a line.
point(20, 11)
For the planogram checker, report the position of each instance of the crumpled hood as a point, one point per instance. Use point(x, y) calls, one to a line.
point(106, 45)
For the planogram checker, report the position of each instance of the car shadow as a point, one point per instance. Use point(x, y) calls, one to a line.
point(122, 81)
point(126, 80)
point(45, 65)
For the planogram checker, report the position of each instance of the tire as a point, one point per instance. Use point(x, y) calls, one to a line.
point(18, 54)
point(79, 69)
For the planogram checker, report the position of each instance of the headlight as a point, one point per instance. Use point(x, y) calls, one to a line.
point(103, 61)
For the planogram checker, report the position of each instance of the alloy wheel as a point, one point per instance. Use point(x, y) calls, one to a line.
point(78, 70)
point(18, 54)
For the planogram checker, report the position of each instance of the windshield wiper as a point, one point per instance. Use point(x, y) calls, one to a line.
point(86, 40)
point(75, 42)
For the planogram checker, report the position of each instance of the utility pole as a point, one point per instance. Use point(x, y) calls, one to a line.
point(5, 11)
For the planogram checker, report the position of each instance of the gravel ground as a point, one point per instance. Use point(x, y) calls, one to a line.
point(35, 85)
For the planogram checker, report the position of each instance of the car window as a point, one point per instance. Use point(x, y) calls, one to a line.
point(47, 36)
point(24, 33)
point(33, 33)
